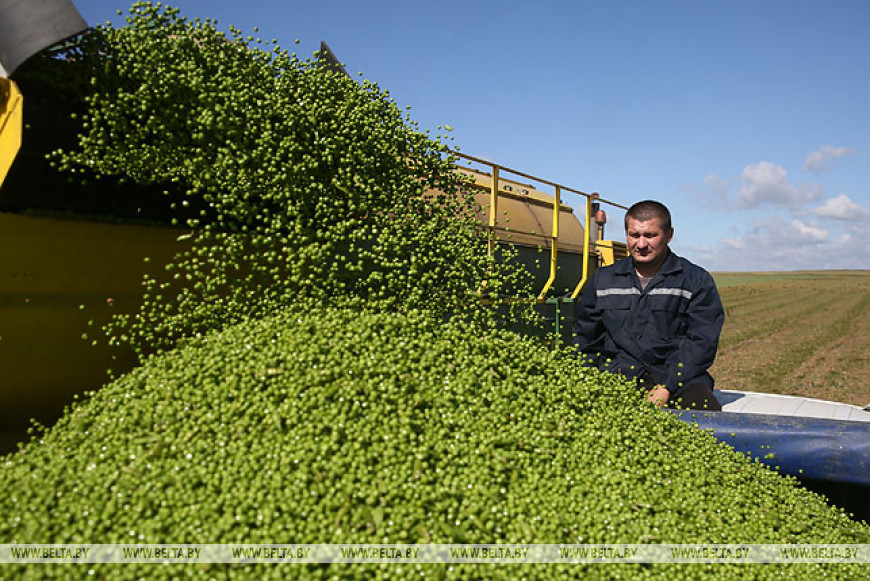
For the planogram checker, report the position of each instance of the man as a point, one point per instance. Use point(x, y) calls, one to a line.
point(653, 316)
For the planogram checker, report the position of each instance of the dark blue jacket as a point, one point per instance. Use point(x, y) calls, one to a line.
point(670, 329)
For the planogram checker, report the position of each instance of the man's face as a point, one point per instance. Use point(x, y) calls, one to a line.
point(647, 241)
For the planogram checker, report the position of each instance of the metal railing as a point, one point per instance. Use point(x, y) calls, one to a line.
point(492, 222)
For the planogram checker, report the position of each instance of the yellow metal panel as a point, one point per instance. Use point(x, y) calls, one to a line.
point(49, 268)
point(11, 108)
point(611, 251)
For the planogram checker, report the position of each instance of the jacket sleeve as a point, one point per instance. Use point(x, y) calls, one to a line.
point(697, 347)
point(588, 328)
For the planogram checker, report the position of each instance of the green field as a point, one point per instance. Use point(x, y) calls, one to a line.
point(729, 279)
point(801, 333)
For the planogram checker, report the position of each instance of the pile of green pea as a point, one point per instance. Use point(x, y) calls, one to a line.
point(327, 425)
point(316, 368)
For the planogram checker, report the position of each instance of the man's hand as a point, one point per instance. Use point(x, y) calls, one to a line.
point(659, 395)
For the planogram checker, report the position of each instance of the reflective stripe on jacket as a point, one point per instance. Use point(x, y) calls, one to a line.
point(670, 329)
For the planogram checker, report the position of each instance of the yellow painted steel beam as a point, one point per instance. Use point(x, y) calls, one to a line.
point(11, 122)
point(585, 276)
point(493, 209)
point(554, 246)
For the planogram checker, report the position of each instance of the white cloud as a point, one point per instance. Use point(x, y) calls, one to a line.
point(845, 239)
point(713, 194)
point(765, 182)
point(842, 208)
point(736, 243)
point(809, 232)
point(700, 254)
point(717, 186)
point(824, 159)
point(763, 234)
point(780, 244)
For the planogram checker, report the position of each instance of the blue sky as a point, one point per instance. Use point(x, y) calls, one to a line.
point(749, 119)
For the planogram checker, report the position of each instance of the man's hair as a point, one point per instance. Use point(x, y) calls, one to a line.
point(647, 210)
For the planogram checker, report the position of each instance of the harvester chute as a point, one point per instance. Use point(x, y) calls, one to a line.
point(30, 26)
point(27, 27)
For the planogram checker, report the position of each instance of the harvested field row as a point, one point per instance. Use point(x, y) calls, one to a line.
point(770, 319)
point(844, 362)
point(750, 305)
point(808, 335)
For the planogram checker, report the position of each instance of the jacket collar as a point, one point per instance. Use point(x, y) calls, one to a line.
point(671, 264)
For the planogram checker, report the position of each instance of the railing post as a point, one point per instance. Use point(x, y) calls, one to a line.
point(493, 210)
point(586, 227)
point(554, 248)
